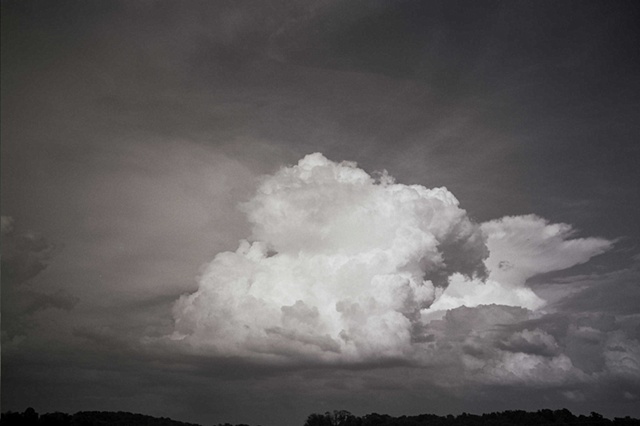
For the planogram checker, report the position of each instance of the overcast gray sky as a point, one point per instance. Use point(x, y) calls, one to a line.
point(181, 238)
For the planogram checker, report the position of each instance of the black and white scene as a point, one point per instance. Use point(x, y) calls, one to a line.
point(320, 213)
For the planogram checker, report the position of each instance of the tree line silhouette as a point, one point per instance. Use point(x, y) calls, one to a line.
point(504, 418)
point(334, 418)
point(86, 418)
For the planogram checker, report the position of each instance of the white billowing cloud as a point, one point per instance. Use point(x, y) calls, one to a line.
point(340, 268)
point(465, 292)
point(345, 268)
point(520, 247)
point(524, 246)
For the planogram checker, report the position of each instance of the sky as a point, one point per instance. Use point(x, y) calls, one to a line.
point(251, 211)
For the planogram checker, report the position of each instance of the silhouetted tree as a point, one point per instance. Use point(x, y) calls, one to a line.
point(333, 418)
point(341, 418)
point(11, 419)
point(55, 419)
point(317, 420)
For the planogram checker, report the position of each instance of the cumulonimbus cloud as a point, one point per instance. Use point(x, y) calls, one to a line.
point(345, 268)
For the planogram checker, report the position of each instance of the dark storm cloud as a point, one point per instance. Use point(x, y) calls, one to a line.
point(131, 131)
point(535, 75)
point(614, 293)
point(26, 254)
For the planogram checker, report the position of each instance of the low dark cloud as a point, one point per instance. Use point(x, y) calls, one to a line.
point(25, 255)
point(613, 293)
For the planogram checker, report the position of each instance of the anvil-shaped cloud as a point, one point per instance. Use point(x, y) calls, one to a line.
point(347, 268)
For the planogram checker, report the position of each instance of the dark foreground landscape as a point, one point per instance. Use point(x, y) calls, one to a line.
point(335, 418)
